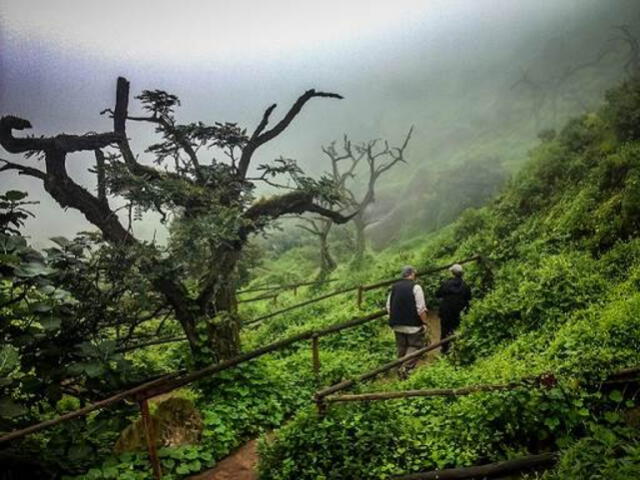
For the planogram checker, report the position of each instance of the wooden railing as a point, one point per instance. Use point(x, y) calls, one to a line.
point(386, 283)
point(142, 393)
point(166, 383)
point(291, 286)
point(320, 396)
point(546, 380)
point(360, 289)
point(300, 305)
point(491, 470)
point(268, 296)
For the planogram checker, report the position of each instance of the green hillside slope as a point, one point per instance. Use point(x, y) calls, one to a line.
point(563, 298)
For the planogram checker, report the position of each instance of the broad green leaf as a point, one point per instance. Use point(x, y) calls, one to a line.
point(93, 369)
point(10, 409)
point(9, 360)
point(32, 269)
point(611, 417)
point(15, 195)
point(61, 241)
point(40, 307)
point(616, 396)
point(50, 323)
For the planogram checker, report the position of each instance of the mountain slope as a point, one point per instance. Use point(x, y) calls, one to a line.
point(563, 239)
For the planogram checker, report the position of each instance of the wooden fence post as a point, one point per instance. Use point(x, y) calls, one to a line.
point(315, 355)
point(321, 405)
point(360, 292)
point(149, 434)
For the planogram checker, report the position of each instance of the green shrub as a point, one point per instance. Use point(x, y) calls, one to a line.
point(612, 454)
point(623, 109)
point(358, 442)
point(527, 296)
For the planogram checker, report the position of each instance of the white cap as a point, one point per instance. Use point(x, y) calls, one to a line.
point(456, 269)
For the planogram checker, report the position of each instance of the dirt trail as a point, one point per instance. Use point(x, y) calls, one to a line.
point(239, 465)
point(434, 332)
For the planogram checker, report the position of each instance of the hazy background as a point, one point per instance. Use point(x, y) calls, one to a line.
point(446, 66)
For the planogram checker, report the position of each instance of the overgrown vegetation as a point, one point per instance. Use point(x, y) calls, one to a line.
point(562, 296)
point(563, 239)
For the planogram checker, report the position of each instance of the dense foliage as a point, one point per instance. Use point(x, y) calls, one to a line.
point(558, 294)
point(563, 240)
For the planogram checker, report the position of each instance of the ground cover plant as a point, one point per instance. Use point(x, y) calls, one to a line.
point(557, 292)
point(563, 241)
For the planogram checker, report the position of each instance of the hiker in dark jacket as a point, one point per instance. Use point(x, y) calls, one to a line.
point(454, 297)
point(407, 317)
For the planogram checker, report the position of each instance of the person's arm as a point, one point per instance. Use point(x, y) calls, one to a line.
point(389, 303)
point(421, 305)
point(467, 297)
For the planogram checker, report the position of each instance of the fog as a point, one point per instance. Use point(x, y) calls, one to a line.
point(449, 67)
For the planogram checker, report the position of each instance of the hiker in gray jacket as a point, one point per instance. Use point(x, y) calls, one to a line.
point(407, 317)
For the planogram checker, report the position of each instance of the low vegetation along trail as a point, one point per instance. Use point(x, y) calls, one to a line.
point(241, 464)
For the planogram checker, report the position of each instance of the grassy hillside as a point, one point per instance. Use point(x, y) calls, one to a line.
point(563, 239)
point(562, 296)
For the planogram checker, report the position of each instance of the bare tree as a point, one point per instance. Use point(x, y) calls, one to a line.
point(625, 35)
point(213, 198)
point(379, 157)
point(536, 90)
point(554, 89)
point(321, 226)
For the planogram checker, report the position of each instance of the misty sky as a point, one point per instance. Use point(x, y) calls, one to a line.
point(397, 64)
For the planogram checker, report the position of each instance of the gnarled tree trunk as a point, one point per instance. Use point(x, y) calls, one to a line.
point(327, 263)
point(206, 313)
point(221, 312)
point(361, 240)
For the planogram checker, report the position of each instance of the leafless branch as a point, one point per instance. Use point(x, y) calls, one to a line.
point(22, 169)
point(61, 143)
point(260, 136)
point(120, 116)
point(296, 202)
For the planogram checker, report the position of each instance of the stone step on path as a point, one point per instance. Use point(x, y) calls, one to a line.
point(239, 465)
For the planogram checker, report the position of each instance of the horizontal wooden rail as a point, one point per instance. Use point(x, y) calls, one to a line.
point(150, 343)
point(300, 305)
point(432, 392)
point(180, 378)
point(360, 289)
point(258, 298)
point(118, 397)
point(626, 375)
point(285, 287)
point(386, 283)
point(321, 394)
point(232, 362)
point(491, 470)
